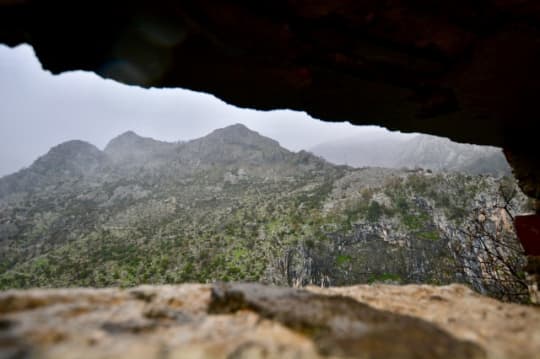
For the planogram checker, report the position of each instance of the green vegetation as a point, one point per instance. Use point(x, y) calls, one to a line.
point(343, 259)
point(185, 233)
point(251, 212)
point(431, 235)
point(374, 211)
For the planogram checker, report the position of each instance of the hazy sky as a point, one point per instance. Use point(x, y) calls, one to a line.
point(39, 110)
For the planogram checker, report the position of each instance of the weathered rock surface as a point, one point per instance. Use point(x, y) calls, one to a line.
point(503, 330)
point(254, 321)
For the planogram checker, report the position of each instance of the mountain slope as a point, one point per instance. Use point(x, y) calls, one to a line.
point(232, 205)
point(66, 162)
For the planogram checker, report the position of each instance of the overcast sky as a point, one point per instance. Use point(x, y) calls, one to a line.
point(39, 110)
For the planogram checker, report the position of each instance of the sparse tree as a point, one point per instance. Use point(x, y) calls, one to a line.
point(489, 256)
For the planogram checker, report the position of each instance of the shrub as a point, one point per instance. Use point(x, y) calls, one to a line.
point(374, 211)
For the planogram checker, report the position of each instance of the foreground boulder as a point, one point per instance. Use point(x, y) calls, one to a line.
point(255, 321)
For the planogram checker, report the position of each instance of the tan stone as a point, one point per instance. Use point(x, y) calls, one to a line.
point(253, 321)
point(504, 330)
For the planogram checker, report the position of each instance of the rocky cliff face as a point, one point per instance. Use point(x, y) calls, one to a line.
point(402, 227)
point(231, 206)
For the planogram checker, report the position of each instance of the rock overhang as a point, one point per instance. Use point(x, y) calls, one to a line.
point(464, 70)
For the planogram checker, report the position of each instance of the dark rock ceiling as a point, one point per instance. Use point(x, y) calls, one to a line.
point(464, 69)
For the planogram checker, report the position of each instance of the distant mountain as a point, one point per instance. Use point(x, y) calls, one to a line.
point(421, 151)
point(362, 152)
point(132, 156)
point(234, 144)
point(67, 161)
point(132, 148)
point(232, 205)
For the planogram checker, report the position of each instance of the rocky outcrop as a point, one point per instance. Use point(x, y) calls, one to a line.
point(503, 330)
point(254, 321)
point(340, 326)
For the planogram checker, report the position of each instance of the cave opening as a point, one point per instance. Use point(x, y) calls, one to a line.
point(112, 203)
point(454, 203)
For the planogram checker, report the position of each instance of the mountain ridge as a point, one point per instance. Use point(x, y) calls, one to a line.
point(232, 205)
point(126, 154)
point(419, 151)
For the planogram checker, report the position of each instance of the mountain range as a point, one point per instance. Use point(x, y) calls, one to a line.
point(233, 205)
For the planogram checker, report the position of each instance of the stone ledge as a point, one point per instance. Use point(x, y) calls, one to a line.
point(255, 321)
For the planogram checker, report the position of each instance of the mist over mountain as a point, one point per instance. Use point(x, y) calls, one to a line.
point(418, 151)
point(233, 205)
point(131, 156)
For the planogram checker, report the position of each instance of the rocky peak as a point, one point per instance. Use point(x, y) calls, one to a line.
point(72, 156)
point(126, 139)
point(129, 146)
point(72, 148)
point(127, 136)
point(234, 144)
point(69, 160)
point(240, 134)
